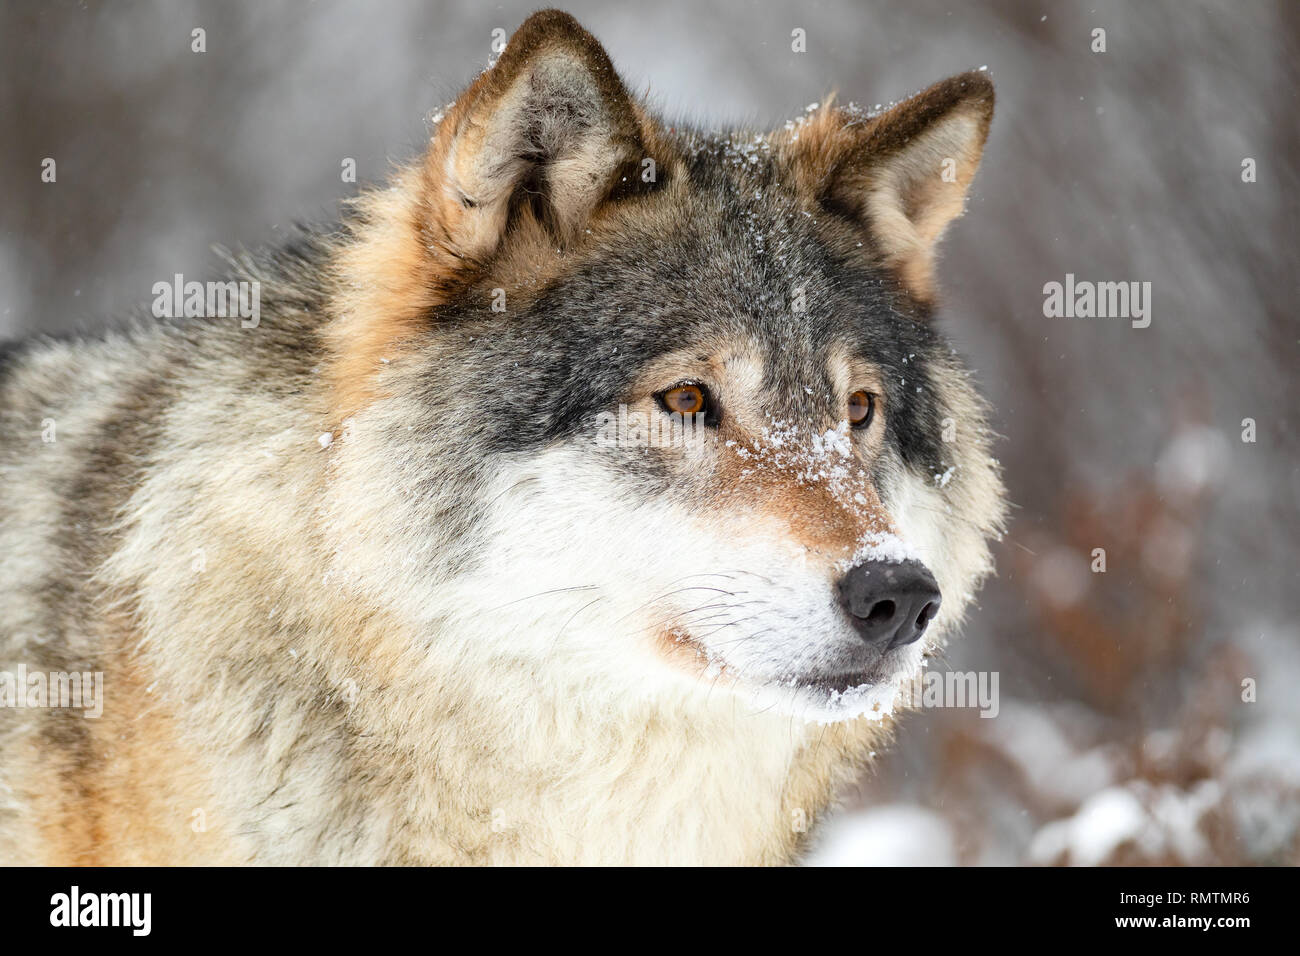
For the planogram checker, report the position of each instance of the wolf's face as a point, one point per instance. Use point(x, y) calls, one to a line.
point(668, 412)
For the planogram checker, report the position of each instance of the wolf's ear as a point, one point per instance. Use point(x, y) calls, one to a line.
point(547, 132)
point(902, 174)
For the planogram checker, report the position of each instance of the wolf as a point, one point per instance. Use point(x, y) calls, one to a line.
point(365, 585)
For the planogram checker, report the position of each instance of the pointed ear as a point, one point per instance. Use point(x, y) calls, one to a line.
point(546, 133)
point(904, 174)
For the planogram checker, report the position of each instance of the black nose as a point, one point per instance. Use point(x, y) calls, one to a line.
point(890, 604)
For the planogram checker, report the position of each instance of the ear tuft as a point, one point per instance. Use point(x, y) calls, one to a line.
point(904, 174)
point(529, 152)
point(549, 126)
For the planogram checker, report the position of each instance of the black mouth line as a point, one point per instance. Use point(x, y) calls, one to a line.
point(840, 683)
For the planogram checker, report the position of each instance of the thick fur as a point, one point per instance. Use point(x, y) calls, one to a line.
point(459, 629)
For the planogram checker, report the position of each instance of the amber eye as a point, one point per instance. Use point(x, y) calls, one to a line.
point(688, 399)
point(862, 408)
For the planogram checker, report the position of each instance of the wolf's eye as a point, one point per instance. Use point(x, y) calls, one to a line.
point(862, 408)
point(687, 399)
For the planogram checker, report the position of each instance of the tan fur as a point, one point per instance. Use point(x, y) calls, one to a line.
point(140, 796)
point(889, 169)
point(824, 520)
point(386, 285)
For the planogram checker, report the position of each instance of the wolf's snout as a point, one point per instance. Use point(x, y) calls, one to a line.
point(890, 604)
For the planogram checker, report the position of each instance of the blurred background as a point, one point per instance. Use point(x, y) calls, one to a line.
point(1122, 735)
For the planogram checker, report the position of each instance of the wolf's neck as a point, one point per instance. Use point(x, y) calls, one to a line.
point(683, 782)
point(358, 749)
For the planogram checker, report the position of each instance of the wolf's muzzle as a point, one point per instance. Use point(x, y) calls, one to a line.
point(890, 604)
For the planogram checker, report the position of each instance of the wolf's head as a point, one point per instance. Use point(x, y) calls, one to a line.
point(658, 409)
